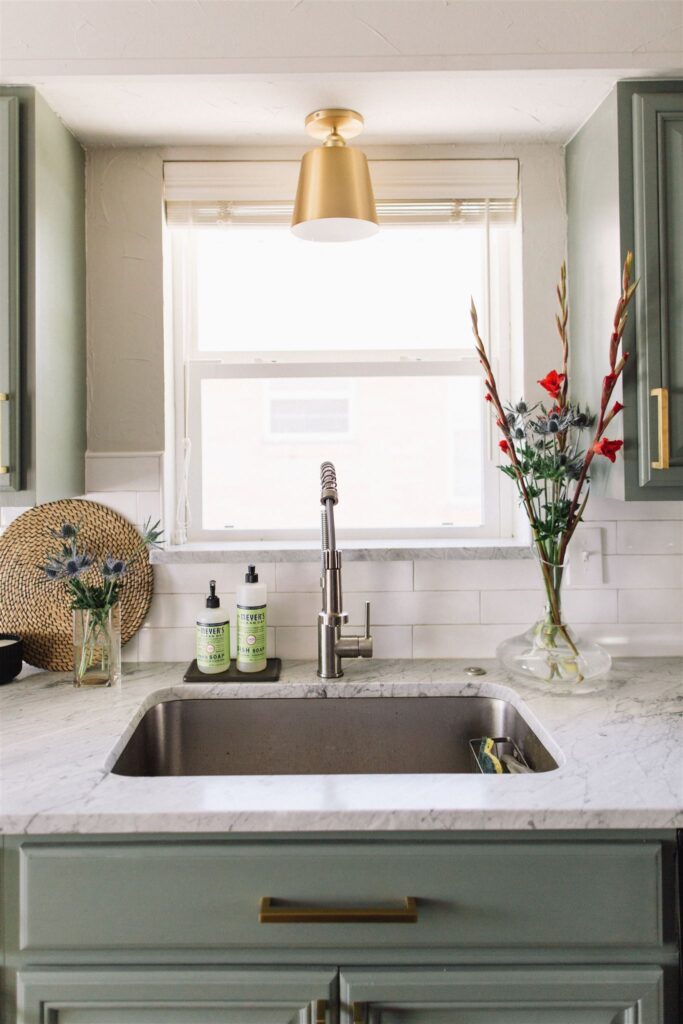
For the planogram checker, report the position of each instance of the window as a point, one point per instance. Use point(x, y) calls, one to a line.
point(288, 353)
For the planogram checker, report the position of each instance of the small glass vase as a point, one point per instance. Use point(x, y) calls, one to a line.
point(97, 646)
point(549, 653)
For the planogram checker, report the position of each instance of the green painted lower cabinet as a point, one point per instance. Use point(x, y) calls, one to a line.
point(523, 928)
point(179, 996)
point(514, 995)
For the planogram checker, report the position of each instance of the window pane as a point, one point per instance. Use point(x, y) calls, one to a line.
point(408, 451)
point(263, 290)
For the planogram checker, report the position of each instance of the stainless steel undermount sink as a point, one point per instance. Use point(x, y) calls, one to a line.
point(322, 736)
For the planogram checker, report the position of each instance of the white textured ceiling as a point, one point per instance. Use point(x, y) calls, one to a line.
point(409, 108)
point(211, 72)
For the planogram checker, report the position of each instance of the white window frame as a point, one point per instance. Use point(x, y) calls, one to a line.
point(274, 181)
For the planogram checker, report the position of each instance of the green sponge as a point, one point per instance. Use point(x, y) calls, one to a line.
point(490, 764)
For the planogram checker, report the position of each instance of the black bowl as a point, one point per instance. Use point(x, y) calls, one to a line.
point(10, 657)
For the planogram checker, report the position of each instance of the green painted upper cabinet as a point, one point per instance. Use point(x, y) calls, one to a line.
point(42, 303)
point(625, 191)
point(10, 453)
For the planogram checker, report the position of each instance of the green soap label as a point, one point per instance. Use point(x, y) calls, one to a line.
point(251, 633)
point(213, 644)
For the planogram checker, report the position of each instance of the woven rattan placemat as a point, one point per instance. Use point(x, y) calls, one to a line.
point(40, 611)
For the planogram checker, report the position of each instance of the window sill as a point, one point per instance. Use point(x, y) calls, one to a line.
point(353, 551)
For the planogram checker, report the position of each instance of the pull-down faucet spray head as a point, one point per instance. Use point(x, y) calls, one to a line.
point(328, 484)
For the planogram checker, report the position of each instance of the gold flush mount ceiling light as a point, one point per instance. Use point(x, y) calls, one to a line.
point(334, 200)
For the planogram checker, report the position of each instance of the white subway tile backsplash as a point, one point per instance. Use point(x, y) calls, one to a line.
point(193, 577)
point(650, 538)
point(297, 576)
point(131, 650)
point(651, 606)
point(479, 641)
point(477, 574)
point(297, 609)
point(178, 644)
point(123, 502)
point(414, 607)
point(358, 576)
point(392, 641)
point(181, 610)
point(430, 608)
point(636, 640)
point(8, 513)
point(175, 644)
point(122, 472)
point(296, 642)
point(364, 576)
point(149, 507)
point(499, 606)
point(302, 641)
point(618, 511)
point(647, 572)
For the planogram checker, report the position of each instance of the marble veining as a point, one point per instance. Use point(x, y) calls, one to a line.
point(619, 751)
point(366, 551)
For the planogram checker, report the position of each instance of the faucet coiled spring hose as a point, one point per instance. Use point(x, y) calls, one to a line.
point(328, 498)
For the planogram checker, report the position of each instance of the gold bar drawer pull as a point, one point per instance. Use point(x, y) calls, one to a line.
point(662, 396)
point(273, 912)
point(4, 397)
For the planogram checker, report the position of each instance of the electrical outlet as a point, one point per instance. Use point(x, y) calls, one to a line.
point(585, 557)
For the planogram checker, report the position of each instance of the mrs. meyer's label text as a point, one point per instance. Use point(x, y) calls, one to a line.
point(213, 644)
point(251, 633)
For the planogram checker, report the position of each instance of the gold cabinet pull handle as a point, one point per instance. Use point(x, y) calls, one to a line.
point(270, 913)
point(662, 396)
point(359, 1013)
point(321, 1011)
point(3, 398)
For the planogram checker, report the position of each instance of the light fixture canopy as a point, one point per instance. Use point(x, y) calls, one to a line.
point(334, 199)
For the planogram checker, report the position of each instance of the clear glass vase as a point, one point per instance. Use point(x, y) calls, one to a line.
point(550, 653)
point(97, 646)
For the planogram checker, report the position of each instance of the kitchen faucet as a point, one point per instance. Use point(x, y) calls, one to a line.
point(332, 646)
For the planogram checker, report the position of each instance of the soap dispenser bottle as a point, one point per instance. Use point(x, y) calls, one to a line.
point(251, 623)
point(213, 635)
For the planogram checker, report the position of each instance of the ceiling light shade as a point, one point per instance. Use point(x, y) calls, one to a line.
point(334, 199)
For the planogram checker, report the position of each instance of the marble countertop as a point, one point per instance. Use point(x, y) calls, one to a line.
point(619, 751)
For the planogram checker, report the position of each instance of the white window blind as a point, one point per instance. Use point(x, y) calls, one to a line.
point(215, 194)
point(221, 213)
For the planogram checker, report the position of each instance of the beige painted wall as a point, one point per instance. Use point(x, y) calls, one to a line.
point(124, 274)
point(124, 300)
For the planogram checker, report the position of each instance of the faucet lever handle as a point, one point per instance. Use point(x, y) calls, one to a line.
point(367, 620)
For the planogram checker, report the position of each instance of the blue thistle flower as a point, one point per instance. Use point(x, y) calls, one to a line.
point(113, 567)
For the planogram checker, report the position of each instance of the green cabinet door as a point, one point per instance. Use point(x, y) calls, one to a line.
point(152, 995)
point(512, 995)
point(10, 474)
point(658, 210)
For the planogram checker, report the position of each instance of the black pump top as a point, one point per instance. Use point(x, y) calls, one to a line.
point(251, 576)
point(212, 601)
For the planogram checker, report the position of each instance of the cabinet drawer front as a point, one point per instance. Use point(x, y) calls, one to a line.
point(171, 895)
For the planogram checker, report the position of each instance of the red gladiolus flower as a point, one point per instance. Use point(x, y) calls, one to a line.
point(609, 382)
point(617, 407)
point(552, 382)
point(504, 446)
point(607, 448)
point(487, 397)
